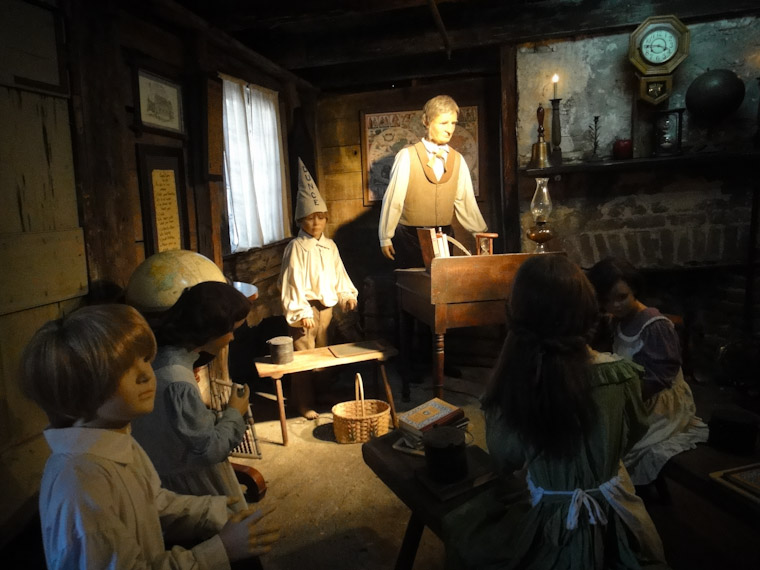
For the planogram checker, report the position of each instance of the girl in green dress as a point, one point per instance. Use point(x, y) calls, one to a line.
point(564, 415)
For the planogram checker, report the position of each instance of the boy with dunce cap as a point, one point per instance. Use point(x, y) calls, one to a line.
point(312, 281)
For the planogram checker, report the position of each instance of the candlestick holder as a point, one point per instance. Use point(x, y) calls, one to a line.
point(539, 156)
point(556, 156)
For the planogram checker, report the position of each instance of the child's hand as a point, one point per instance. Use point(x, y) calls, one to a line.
point(308, 323)
point(349, 304)
point(240, 401)
point(245, 535)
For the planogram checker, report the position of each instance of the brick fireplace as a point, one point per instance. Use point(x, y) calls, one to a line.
point(686, 225)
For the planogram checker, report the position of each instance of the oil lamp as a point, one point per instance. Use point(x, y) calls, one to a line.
point(541, 208)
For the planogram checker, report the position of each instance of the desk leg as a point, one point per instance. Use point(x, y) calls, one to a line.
point(408, 552)
point(438, 365)
point(389, 395)
point(406, 335)
point(281, 405)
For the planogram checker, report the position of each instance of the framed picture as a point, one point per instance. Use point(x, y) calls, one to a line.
point(158, 104)
point(162, 195)
point(384, 134)
point(33, 49)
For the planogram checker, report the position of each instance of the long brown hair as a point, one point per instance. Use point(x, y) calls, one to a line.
point(540, 386)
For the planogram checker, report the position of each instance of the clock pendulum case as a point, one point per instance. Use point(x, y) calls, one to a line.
point(656, 48)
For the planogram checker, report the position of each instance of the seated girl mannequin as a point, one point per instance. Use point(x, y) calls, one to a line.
point(647, 337)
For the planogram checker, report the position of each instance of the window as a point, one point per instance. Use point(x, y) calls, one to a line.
point(254, 170)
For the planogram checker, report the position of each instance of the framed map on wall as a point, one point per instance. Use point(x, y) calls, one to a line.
point(384, 134)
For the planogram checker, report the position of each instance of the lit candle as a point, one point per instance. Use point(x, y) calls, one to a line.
point(555, 80)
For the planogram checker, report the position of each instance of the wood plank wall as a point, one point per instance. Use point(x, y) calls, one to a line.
point(44, 273)
point(70, 159)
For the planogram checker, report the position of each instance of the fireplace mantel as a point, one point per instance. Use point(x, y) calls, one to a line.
point(732, 160)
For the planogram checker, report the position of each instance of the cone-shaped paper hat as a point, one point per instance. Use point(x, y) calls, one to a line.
point(309, 200)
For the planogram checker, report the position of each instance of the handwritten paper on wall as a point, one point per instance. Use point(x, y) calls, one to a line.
point(168, 234)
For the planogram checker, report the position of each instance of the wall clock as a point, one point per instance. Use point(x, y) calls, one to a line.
point(656, 48)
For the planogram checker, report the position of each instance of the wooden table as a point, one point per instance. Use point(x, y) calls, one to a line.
point(455, 292)
point(397, 470)
point(306, 360)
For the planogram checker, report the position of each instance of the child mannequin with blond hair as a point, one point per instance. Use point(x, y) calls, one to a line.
point(313, 280)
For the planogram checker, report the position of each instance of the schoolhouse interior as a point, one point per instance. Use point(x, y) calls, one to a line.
point(591, 129)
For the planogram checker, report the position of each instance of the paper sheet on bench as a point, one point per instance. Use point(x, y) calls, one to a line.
point(353, 349)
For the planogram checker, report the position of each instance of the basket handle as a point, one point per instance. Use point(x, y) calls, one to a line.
point(359, 390)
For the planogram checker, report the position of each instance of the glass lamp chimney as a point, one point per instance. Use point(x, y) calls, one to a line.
point(541, 204)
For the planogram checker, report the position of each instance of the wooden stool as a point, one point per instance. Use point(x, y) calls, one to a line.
point(335, 355)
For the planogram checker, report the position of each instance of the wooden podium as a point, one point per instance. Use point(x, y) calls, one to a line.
point(455, 292)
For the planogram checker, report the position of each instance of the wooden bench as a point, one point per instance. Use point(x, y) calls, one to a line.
point(335, 355)
point(397, 471)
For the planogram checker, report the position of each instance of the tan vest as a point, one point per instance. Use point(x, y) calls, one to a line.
point(430, 203)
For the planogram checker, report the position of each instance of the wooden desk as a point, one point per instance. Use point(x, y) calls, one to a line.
point(306, 360)
point(397, 471)
point(455, 292)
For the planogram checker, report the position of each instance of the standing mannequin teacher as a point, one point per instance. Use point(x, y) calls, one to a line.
point(430, 183)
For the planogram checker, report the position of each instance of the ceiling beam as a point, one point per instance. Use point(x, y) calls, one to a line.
point(441, 27)
point(284, 15)
point(172, 12)
point(499, 27)
point(393, 73)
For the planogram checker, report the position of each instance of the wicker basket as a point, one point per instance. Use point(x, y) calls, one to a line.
point(360, 420)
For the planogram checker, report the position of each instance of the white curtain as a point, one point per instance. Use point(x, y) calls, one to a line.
point(254, 170)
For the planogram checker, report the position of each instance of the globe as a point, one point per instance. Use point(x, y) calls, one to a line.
point(158, 281)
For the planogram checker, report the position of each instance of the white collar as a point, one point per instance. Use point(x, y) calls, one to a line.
point(309, 242)
point(112, 445)
point(431, 147)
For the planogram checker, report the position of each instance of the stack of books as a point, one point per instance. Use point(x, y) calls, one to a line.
point(414, 423)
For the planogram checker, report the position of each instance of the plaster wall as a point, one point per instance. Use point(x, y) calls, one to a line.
point(597, 79)
point(687, 223)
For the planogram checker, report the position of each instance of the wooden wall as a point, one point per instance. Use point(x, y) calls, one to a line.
point(70, 204)
point(42, 249)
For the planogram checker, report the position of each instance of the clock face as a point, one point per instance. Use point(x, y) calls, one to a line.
point(658, 46)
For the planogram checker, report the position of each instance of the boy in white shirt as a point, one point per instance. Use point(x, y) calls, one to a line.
point(312, 281)
point(101, 501)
